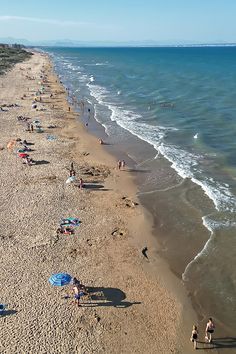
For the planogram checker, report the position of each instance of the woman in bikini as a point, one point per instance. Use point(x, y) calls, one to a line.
point(210, 327)
point(194, 336)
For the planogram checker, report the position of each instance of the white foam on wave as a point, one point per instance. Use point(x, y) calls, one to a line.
point(161, 190)
point(83, 78)
point(213, 225)
point(129, 120)
point(210, 225)
point(184, 163)
point(96, 64)
point(202, 253)
point(99, 92)
point(204, 250)
point(101, 64)
point(221, 196)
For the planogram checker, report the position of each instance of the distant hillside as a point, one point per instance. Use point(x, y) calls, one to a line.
point(78, 43)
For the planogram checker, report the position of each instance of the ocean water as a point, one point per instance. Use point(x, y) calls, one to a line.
point(181, 103)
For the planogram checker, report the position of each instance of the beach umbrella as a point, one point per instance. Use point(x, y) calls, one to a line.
point(60, 279)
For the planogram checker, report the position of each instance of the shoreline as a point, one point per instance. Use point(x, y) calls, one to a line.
point(199, 243)
point(192, 253)
point(145, 226)
point(118, 261)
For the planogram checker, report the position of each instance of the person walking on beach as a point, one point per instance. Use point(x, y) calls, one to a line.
point(194, 336)
point(72, 173)
point(123, 164)
point(81, 183)
point(72, 170)
point(119, 164)
point(77, 294)
point(210, 327)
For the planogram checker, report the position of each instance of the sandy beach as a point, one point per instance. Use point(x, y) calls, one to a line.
point(132, 308)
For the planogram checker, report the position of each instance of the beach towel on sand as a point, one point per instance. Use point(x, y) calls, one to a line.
point(39, 130)
point(70, 222)
point(23, 155)
point(71, 179)
point(50, 137)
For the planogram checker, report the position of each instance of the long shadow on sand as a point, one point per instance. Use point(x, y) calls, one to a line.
point(42, 162)
point(108, 144)
point(136, 170)
point(102, 297)
point(219, 343)
point(95, 186)
point(7, 313)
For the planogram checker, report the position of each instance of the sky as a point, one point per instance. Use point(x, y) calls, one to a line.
point(171, 21)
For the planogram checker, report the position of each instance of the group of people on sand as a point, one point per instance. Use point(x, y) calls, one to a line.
point(28, 161)
point(210, 328)
point(121, 164)
point(66, 230)
point(22, 151)
point(73, 174)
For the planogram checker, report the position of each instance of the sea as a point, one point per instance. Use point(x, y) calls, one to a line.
point(172, 112)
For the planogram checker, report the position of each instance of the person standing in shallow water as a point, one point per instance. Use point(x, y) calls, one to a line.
point(194, 337)
point(210, 327)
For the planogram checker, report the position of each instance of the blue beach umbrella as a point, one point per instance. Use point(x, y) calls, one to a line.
point(60, 279)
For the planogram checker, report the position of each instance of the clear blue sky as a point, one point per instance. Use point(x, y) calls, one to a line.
point(119, 20)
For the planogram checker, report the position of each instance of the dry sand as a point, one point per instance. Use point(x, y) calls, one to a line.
point(132, 309)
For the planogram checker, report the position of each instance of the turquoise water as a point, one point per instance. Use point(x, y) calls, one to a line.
point(181, 101)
